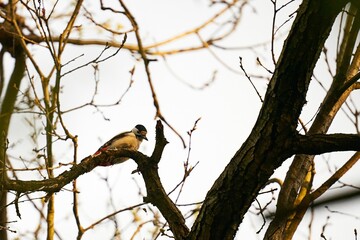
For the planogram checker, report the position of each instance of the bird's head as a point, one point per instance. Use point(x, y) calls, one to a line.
point(140, 131)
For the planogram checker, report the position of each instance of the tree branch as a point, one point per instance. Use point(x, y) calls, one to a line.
point(57, 183)
point(148, 166)
point(305, 203)
point(156, 194)
point(323, 143)
point(146, 62)
point(268, 144)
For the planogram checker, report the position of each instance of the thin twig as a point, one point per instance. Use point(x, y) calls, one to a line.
point(248, 77)
point(146, 62)
point(187, 169)
point(98, 59)
point(262, 215)
point(112, 214)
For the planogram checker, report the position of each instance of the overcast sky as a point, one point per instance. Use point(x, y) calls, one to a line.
point(228, 108)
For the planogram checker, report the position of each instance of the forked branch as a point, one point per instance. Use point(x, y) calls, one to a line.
point(148, 166)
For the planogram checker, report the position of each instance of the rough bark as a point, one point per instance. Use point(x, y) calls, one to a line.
point(290, 194)
point(270, 142)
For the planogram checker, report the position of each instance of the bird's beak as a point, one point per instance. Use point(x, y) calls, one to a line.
point(143, 135)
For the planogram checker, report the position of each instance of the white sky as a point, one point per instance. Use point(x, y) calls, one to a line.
point(228, 109)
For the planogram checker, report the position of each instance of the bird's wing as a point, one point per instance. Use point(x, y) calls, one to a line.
point(108, 143)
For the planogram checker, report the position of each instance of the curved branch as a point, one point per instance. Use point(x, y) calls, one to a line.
point(110, 157)
point(86, 165)
point(148, 166)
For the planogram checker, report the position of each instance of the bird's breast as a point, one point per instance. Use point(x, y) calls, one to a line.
point(128, 142)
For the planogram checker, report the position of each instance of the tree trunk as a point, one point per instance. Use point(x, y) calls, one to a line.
point(283, 226)
point(270, 142)
point(6, 111)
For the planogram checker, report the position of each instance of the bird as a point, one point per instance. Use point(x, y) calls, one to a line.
point(130, 140)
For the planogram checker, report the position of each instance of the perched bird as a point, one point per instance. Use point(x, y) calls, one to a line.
point(127, 140)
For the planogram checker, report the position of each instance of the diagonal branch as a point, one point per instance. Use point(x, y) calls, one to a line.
point(309, 199)
point(335, 177)
point(57, 183)
point(323, 143)
point(146, 61)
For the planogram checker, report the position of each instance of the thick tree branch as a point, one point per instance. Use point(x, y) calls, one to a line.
point(295, 181)
point(323, 143)
point(85, 166)
point(269, 143)
point(148, 166)
point(156, 194)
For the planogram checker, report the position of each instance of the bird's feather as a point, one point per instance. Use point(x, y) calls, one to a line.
point(125, 140)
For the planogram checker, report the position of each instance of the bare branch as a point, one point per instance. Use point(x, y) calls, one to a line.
point(148, 166)
point(323, 143)
point(155, 192)
point(57, 183)
point(146, 61)
point(248, 77)
point(335, 177)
